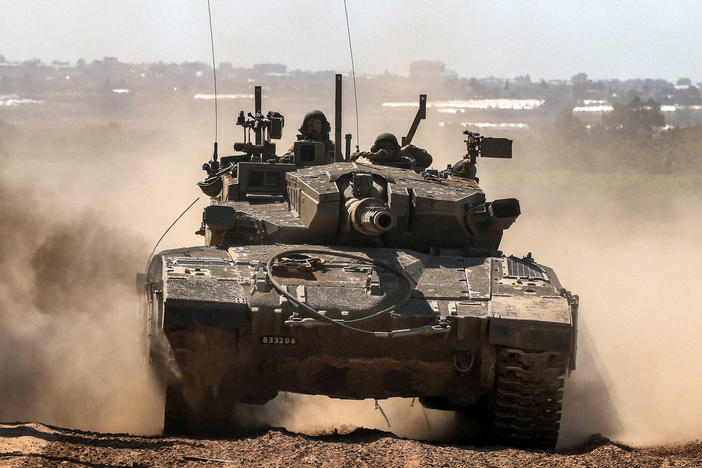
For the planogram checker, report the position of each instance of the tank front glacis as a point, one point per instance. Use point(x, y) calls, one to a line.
point(358, 281)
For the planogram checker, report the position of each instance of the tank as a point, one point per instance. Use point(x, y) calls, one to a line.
point(357, 280)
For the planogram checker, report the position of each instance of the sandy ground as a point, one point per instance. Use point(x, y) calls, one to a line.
point(33, 445)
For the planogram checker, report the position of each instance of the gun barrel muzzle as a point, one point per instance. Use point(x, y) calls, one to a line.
point(370, 216)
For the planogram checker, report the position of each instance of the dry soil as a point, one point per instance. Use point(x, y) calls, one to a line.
point(32, 445)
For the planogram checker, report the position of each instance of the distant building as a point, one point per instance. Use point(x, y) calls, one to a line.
point(492, 82)
point(112, 61)
point(684, 83)
point(579, 79)
point(426, 69)
point(270, 68)
point(522, 80)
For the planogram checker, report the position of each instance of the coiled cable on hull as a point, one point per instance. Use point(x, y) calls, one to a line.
point(401, 273)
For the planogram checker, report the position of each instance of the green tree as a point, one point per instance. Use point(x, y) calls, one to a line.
point(567, 126)
point(635, 118)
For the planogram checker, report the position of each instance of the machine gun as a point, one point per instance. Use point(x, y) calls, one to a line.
point(479, 146)
point(265, 129)
point(486, 147)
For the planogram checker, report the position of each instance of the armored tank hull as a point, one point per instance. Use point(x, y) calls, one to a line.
point(491, 337)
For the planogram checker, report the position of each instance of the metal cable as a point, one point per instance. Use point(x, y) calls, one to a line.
point(214, 69)
point(353, 73)
point(344, 323)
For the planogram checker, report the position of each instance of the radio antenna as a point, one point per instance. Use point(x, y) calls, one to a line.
point(214, 76)
point(353, 73)
point(151, 255)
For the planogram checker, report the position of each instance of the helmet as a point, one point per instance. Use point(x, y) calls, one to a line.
point(464, 168)
point(315, 114)
point(385, 137)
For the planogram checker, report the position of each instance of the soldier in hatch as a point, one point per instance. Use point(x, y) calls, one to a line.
point(463, 169)
point(316, 127)
point(386, 151)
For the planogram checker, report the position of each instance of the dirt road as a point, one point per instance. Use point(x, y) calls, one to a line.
point(33, 445)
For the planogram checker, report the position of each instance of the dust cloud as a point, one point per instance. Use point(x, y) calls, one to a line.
point(79, 216)
point(632, 254)
point(69, 337)
point(317, 415)
point(77, 226)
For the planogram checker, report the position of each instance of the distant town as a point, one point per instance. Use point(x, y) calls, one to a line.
point(109, 89)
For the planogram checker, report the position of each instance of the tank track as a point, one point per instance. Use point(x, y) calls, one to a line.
point(211, 416)
point(175, 418)
point(528, 396)
point(196, 400)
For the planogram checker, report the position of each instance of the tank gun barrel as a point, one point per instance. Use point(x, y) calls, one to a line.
point(369, 216)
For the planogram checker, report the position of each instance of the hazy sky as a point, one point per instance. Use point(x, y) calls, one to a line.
point(551, 39)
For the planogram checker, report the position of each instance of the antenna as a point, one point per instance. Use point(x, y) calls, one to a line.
point(151, 255)
point(421, 114)
point(337, 119)
point(353, 72)
point(214, 76)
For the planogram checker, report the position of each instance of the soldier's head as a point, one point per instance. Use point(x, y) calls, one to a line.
point(315, 126)
point(386, 141)
point(464, 169)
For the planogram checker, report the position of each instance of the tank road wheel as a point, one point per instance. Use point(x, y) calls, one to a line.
point(210, 415)
point(528, 395)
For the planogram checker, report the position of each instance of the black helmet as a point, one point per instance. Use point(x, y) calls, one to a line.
point(385, 137)
point(315, 114)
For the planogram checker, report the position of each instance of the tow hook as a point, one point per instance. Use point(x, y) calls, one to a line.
point(463, 360)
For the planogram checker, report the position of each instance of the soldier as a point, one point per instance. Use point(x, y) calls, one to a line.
point(386, 151)
point(463, 169)
point(316, 127)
